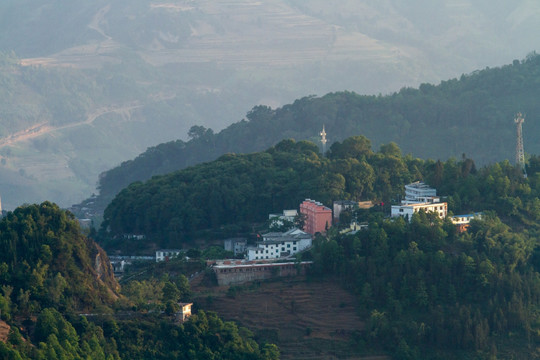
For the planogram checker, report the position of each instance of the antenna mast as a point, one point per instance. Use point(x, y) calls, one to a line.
point(520, 153)
point(323, 140)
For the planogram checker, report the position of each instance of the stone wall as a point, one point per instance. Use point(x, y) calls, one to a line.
point(239, 274)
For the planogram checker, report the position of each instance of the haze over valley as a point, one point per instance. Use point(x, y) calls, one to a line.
point(86, 86)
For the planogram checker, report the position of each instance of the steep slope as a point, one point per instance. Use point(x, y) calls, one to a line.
point(58, 294)
point(307, 320)
point(46, 261)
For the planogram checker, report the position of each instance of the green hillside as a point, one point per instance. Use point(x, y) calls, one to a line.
point(472, 115)
point(425, 290)
point(60, 300)
point(228, 194)
point(45, 257)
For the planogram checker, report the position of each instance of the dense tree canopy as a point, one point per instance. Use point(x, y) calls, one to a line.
point(46, 261)
point(427, 290)
point(237, 189)
point(50, 273)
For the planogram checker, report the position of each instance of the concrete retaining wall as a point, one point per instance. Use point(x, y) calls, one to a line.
point(238, 274)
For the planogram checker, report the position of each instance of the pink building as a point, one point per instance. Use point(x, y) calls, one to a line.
point(318, 216)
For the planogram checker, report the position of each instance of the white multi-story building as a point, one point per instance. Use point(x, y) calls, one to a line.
point(419, 193)
point(441, 209)
point(276, 245)
point(419, 196)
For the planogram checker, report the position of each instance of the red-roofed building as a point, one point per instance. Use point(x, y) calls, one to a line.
point(318, 216)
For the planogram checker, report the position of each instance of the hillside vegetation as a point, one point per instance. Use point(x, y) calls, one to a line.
point(472, 115)
point(425, 291)
point(228, 194)
point(46, 261)
point(59, 300)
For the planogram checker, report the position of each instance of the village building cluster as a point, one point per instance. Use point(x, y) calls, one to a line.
point(317, 218)
point(273, 252)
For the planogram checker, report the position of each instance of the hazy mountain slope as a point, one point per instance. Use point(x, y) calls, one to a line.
point(160, 67)
point(472, 116)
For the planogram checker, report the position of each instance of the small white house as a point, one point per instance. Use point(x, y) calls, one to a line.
point(166, 254)
point(276, 245)
point(441, 209)
point(462, 221)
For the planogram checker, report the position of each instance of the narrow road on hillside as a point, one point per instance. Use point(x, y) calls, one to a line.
point(44, 128)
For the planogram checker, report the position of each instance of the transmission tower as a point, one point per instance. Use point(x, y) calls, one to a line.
point(520, 153)
point(323, 140)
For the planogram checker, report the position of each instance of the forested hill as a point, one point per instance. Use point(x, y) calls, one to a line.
point(426, 290)
point(472, 115)
point(47, 262)
point(50, 273)
point(229, 194)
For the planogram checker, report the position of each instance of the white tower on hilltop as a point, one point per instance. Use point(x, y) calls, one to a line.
point(520, 153)
point(323, 140)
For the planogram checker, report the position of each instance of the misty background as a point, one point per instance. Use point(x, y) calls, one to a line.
point(87, 85)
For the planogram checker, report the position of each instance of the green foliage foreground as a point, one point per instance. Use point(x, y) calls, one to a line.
point(50, 273)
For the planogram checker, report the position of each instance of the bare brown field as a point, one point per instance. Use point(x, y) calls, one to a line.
point(307, 320)
point(4, 331)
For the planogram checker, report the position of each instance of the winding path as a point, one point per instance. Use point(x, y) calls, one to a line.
point(44, 128)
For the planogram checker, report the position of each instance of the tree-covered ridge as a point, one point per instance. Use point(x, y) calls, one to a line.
point(431, 293)
point(45, 261)
point(241, 189)
point(204, 336)
point(50, 273)
point(427, 291)
point(471, 115)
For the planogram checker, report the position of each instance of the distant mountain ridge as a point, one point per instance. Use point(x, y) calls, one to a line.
point(205, 63)
point(472, 116)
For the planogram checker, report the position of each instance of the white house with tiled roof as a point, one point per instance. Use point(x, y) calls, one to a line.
point(275, 245)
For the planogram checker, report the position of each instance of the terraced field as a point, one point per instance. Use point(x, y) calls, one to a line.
point(307, 320)
point(240, 32)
